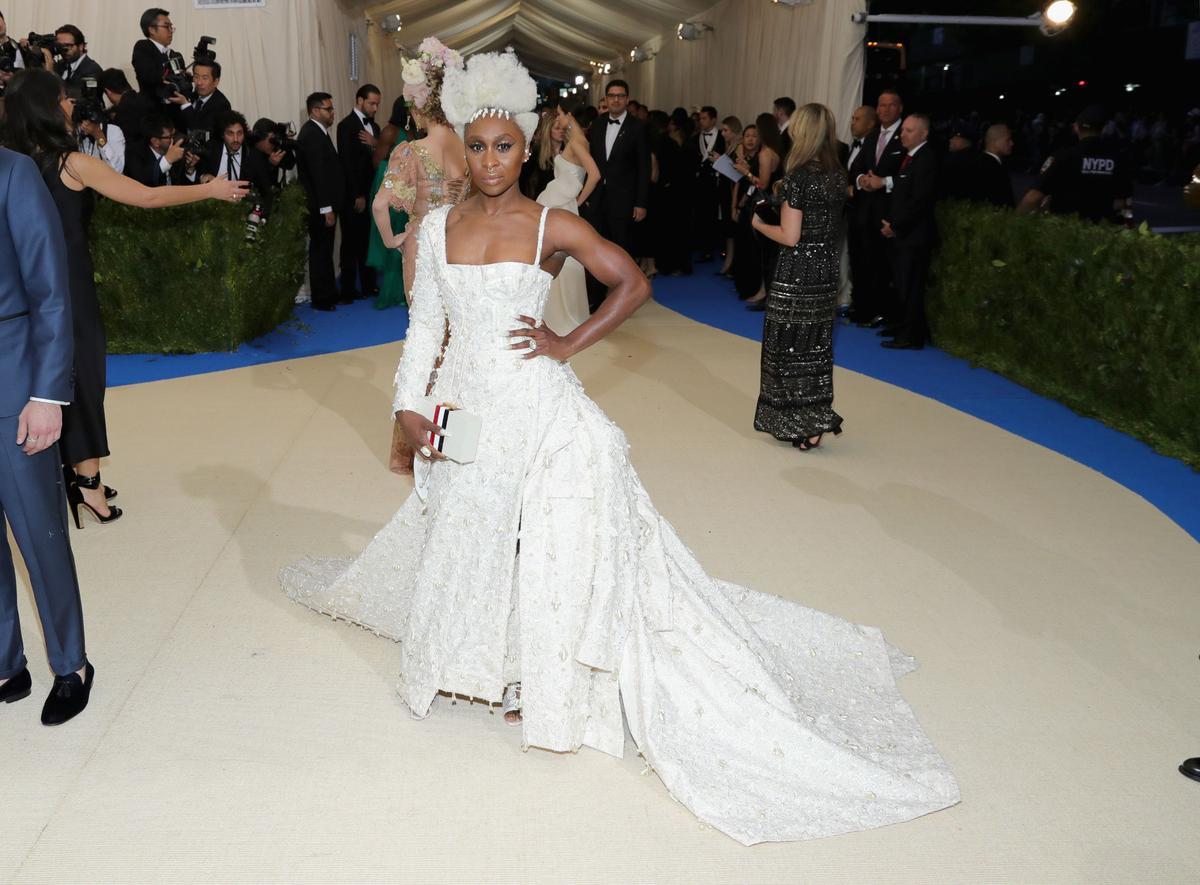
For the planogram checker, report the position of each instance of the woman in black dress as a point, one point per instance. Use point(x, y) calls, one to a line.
point(795, 403)
point(38, 123)
point(765, 179)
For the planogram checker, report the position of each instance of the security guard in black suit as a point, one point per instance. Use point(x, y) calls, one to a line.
point(1091, 179)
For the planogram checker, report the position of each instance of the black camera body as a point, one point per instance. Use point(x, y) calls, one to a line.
point(281, 136)
point(196, 141)
point(8, 57)
point(38, 42)
point(90, 106)
point(202, 55)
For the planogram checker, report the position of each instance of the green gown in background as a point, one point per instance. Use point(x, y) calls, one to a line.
point(389, 263)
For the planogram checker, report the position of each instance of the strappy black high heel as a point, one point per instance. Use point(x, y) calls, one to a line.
point(69, 476)
point(75, 499)
point(806, 445)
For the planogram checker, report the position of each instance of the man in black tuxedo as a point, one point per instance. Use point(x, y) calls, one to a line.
point(995, 185)
point(129, 109)
point(862, 124)
point(325, 182)
point(357, 134)
point(209, 102)
point(232, 157)
point(911, 231)
point(159, 158)
point(783, 109)
point(153, 55)
point(872, 174)
point(36, 347)
point(76, 64)
point(699, 151)
point(620, 148)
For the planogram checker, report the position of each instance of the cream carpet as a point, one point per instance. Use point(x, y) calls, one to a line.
point(235, 737)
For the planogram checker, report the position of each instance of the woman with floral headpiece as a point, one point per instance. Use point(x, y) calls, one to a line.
point(428, 172)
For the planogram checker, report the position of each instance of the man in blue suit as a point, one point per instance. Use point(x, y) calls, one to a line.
point(36, 351)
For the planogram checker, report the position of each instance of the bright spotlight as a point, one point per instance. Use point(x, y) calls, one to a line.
point(1056, 15)
point(579, 79)
point(1130, 87)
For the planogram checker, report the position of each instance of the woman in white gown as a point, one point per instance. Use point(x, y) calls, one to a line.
point(770, 721)
point(562, 147)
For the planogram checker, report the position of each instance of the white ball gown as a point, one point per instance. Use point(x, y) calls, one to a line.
point(769, 720)
point(567, 306)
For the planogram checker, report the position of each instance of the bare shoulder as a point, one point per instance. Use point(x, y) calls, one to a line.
point(565, 229)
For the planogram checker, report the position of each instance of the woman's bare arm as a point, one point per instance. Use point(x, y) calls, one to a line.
point(787, 232)
point(608, 263)
point(103, 179)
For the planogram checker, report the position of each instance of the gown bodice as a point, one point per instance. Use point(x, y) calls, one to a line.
point(565, 187)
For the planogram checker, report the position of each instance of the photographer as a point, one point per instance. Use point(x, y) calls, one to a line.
point(129, 110)
point(153, 59)
point(75, 64)
point(97, 137)
point(235, 159)
point(276, 142)
point(209, 103)
point(162, 158)
point(11, 59)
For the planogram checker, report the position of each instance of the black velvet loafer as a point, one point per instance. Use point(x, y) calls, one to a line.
point(17, 688)
point(1191, 768)
point(68, 697)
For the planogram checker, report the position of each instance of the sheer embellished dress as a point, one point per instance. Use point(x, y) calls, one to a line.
point(769, 720)
point(795, 401)
point(417, 184)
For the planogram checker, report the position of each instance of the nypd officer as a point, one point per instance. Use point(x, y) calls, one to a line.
point(1090, 179)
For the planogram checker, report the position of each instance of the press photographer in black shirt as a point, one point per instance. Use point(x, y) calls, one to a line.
point(276, 142)
point(153, 56)
point(129, 109)
point(75, 64)
point(161, 157)
point(233, 157)
point(208, 103)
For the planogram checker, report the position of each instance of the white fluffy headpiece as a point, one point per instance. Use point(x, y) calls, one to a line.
point(491, 84)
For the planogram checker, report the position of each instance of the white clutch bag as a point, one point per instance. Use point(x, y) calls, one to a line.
point(462, 440)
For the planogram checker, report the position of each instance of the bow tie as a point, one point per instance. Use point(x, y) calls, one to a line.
point(857, 143)
point(612, 122)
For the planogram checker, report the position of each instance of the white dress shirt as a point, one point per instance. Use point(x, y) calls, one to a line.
point(73, 67)
point(611, 131)
point(238, 160)
point(113, 152)
point(708, 138)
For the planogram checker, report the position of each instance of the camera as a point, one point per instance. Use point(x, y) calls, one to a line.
point(175, 79)
point(89, 108)
point(202, 55)
point(281, 136)
point(38, 42)
point(8, 57)
point(196, 141)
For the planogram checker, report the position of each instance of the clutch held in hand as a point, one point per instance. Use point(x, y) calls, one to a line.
point(461, 439)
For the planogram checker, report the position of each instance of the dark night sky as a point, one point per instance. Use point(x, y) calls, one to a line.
point(1111, 43)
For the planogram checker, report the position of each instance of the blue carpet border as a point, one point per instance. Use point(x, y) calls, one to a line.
point(1168, 484)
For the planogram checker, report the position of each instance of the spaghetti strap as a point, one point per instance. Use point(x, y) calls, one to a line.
point(537, 256)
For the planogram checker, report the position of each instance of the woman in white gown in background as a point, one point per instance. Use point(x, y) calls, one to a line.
point(562, 147)
point(769, 720)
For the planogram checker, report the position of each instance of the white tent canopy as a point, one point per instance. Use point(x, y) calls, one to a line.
point(277, 53)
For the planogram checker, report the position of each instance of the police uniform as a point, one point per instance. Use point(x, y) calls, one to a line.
point(1086, 179)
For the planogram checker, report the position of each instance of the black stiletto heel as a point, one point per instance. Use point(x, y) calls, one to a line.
point(75, 499)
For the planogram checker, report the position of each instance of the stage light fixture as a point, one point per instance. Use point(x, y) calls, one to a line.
point(579, 79)
point(691, 30)
point(390, 24)
point(640, 54)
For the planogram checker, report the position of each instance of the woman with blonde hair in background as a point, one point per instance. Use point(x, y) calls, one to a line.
point(561, 148)
point(795, 403)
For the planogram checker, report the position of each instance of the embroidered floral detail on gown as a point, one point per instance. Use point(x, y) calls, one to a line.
point(567, 306)
point(769, 720)
point(416, 184)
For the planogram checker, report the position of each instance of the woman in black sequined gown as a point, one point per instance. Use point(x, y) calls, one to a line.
point(795, 403)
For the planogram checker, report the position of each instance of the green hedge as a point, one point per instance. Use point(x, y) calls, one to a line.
point(182, 280)
point(1103, 319)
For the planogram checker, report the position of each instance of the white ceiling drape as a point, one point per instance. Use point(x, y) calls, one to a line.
point(274, 56)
